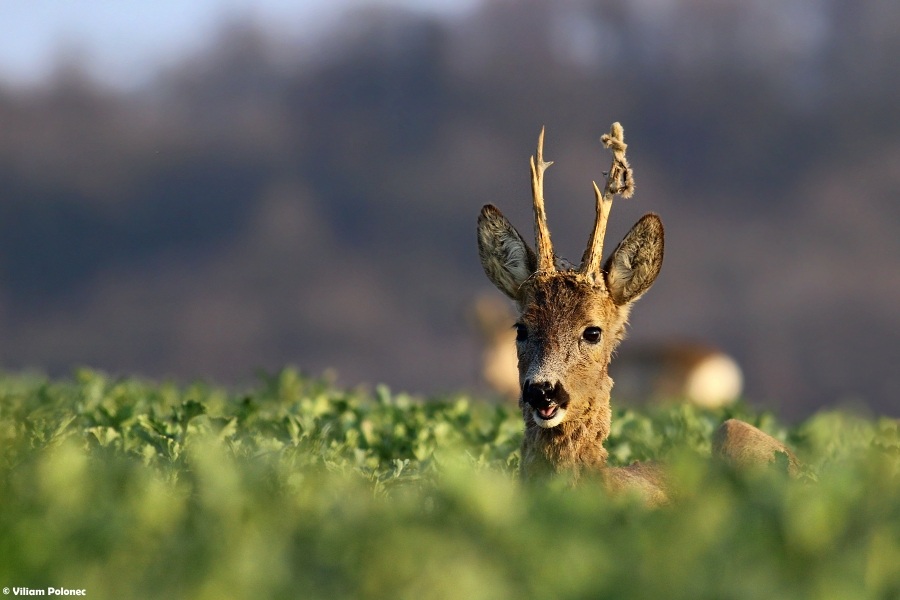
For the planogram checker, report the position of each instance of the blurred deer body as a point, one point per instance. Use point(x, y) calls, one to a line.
point(571, 319)
point(493, 319)
point(692, 372)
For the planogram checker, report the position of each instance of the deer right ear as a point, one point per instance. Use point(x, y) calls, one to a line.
point(506, 258)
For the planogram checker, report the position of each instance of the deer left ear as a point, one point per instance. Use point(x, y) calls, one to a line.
point(636, 262)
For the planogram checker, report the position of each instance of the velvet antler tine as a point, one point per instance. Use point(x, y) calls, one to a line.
point(620, 181)
point(546, 262)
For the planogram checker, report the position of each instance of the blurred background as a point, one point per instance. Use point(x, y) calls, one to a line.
point(201, 190)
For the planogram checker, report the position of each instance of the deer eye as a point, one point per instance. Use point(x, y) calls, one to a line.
point(521, 332)
point(592, 335)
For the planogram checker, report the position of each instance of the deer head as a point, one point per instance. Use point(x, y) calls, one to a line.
point(570, 318)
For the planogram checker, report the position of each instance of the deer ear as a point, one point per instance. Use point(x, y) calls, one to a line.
point(636, 262)
point(506, 258)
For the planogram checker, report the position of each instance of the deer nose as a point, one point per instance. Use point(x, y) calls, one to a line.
point(539, 394)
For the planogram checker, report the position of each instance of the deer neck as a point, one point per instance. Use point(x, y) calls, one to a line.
point(576, 444)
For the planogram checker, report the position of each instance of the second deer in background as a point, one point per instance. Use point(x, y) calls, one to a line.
point(650, 371)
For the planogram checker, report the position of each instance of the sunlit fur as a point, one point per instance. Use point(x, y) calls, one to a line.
point(555, 310)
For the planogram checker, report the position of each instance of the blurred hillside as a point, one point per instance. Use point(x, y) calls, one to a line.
point(313, 201)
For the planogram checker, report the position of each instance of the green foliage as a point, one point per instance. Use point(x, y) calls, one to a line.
point(297, 489)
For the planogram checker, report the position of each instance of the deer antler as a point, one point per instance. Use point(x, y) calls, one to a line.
point(546, 261)
point(619, 180)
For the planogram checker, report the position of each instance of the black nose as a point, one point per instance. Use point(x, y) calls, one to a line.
point(539, 394)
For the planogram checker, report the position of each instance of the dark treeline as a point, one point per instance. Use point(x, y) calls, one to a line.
point(313, 201)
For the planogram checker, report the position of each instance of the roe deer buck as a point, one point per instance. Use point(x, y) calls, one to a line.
point(570, 321)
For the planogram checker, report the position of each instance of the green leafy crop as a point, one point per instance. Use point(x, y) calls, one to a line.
point(298, 489)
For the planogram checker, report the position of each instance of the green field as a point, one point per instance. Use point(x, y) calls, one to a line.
point(298, 489)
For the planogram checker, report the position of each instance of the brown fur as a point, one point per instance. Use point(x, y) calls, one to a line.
point(743, 446)
point(647, 480)
point(556, 309)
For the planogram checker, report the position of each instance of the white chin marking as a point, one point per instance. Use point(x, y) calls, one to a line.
point(549, 423)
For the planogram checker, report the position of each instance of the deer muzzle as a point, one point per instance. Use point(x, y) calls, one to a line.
point(547, 400)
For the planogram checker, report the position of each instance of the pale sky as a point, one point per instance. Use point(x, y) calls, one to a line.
point(124, 41)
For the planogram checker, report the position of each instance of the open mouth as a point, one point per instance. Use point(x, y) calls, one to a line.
point(548, 412)
point(548, 403)
point(549, 415)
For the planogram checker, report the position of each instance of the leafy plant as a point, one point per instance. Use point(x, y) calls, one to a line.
point(131, 489)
